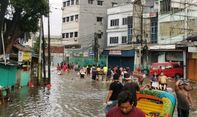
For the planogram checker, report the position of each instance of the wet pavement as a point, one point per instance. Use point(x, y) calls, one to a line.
point(69, 97)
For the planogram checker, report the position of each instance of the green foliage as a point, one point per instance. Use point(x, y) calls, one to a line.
point(31, 12)
point(22, 16)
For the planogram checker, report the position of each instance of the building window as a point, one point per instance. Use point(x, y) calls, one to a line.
point(68, 3)
point(67, 35)
point(71, 18)
point(67, 19)
point(76, 17)
point(124, 21)
point(154, 29)
point(113, 40)
point(76, 34)
point(72, 2)
point(77, 2)
point(130, 29)
point(99, 19)
point(90, 1)
point(99, 35)
point(100, 3)
point(64, 4)
point(64, 19)
point(124, 39)
point(71, 35)
point(114, 4)
point(63, 35)
point(114, 22)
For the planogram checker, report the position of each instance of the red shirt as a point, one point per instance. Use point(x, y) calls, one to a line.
point(116, 112)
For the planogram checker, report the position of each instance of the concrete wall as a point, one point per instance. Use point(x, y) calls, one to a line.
point(87, 24)
point(121, 30)
point(172, 27)
point(71, 26)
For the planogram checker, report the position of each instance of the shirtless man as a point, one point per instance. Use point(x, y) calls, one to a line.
point(184, 100)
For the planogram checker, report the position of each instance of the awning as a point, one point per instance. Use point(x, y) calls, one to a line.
point(120, 47)
point(162, 47)
point(123, 53)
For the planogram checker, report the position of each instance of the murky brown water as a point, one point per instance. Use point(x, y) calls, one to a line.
point(68, 97)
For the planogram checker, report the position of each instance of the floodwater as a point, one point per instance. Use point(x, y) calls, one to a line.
point(69, 96)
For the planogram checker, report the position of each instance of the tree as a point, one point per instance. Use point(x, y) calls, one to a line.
point(21, 16)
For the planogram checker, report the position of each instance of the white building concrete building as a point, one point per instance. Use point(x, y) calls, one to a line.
point(117, 27)
point(81, 19)
point(119, 50)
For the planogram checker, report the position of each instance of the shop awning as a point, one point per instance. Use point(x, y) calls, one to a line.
point(122, 50)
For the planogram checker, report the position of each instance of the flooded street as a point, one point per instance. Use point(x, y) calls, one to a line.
point(69, 97)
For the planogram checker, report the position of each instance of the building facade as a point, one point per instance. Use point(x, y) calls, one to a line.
point(177, 21)
point(119, 30)
point(83, 21)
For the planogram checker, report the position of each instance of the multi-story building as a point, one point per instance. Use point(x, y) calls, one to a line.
point(123, 28)
point(83, 21)
point(177, 22)
point(119, 30)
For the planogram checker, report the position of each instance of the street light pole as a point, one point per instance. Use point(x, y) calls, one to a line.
point(43, 50)
point(95, 48)
point(141, 33)
point(49, 53)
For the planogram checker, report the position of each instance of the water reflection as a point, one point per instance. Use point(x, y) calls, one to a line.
point(68, 97)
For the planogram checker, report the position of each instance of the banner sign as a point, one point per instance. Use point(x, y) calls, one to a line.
point(115, 52)
point(24, 56)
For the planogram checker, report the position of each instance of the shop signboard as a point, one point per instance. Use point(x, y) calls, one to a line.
point(192, 49)
point(194, 55)
point(20, 56)
point(85, 54)
point(115, 52)
point(26, 56)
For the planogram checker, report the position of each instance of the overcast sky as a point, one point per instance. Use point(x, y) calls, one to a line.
point(55, 18)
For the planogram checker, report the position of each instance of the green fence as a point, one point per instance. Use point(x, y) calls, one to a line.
point(8, 75)
point(84, 61)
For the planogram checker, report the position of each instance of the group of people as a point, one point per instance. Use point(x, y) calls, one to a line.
point(124, 96)
point(121, 100)
point(65, 67)
point(158, 81)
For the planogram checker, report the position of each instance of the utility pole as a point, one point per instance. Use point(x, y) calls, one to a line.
point(40, 54)
point(185, 36)
point(49, 53)
point(4, 54)
point(43, 49)
point(141, 33)
point(95, 48)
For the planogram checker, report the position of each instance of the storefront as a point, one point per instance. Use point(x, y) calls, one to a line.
point(120, 58)
point(165, 53)
point(192, 63)
point(24, 57)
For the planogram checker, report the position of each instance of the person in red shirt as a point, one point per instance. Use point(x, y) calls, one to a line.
point(125, 107)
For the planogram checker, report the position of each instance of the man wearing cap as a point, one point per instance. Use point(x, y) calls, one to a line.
point(132, 87)
point(114, 89)
point(125, 107)
point(184, 99)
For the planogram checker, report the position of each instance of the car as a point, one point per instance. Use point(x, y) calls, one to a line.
point(170, 69)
